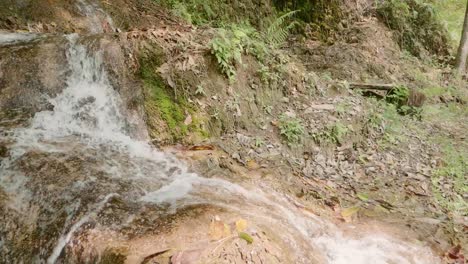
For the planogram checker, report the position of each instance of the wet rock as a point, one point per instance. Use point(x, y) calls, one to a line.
point(10, 21)
point(3, 151)
point(31, 73)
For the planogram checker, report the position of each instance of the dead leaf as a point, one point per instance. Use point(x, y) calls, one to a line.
point(323, 107)
point(456, 254)
point(165, 71)
point(188, 63)
point(252, 165)
point(227, 230)
point(216, 230)
point(188, 120)
point(202, 147)
point(219, 230)
point(241, 225)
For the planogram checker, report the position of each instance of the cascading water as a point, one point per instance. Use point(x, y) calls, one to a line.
point(7, 38)
point(76, 159)
point(99, 21)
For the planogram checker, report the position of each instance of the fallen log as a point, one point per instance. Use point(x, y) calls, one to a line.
point(370, 86)
point(415, 98)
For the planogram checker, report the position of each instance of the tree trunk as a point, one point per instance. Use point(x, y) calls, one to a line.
point(462, 54)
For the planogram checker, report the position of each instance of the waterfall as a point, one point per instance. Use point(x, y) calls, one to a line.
point(95, 159)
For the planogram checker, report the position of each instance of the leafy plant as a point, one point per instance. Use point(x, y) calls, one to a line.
point(264, 73)
point(268, 109)
point(338, 132)
point(333, 134)
point(200, 90)
point(259, 142)
point(181, 10)
point(400, 98)
point(384, 119)
point(291, 129)
point(229, 45)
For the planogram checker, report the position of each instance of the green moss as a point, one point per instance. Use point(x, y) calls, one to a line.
point(197, 126)
point(160, 100)
point(159, 96)
point(112, 257)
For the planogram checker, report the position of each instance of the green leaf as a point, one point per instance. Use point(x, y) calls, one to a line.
point(348, 212)
point(246, 237)
point(363, 197)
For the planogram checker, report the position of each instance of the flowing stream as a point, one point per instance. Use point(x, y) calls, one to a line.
point(75, 160)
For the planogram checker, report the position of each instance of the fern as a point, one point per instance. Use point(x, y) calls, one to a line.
point(228, 47)
point(278, 31)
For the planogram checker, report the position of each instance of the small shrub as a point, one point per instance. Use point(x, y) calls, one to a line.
point(259, 142)
point(406, 101)
point(291, 129)
point(398, 96)
point(384, 119)
point(228, 47)
point(334, 134)
point(234, 40)
point(200, 90)
point(417, 26)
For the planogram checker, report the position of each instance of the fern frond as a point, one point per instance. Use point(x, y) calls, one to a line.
point(278, 31)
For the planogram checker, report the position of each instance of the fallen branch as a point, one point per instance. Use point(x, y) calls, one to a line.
point(148, 258)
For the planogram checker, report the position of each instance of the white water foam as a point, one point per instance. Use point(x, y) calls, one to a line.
point(10, 38)
point(375, 249)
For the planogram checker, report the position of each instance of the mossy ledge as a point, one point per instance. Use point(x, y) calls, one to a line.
point(166, 112)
